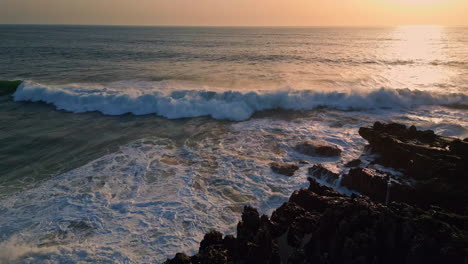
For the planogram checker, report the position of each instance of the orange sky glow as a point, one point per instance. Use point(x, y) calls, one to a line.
point(236, 12)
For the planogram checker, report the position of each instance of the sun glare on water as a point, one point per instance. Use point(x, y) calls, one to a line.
point(422, 47)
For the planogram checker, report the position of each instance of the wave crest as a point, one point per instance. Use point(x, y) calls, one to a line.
point(161, 98)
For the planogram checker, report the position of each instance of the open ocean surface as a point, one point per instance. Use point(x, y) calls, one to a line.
point(127, 144)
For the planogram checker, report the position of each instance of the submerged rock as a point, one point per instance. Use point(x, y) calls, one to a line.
point(319, 225)
point(318, 148)
point(79, 225)
point(284, 168)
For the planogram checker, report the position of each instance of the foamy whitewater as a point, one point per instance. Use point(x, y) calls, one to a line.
point(164, 99)
point(128, 149)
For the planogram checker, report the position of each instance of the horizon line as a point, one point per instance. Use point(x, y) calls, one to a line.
point(228, 26)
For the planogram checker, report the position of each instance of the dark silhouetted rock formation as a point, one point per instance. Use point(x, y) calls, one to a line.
point(375, 184)
point(435, 166)
point(420, 219)
point(318, 171)
point(422, 154)
point(319, 225)
point(353, 163)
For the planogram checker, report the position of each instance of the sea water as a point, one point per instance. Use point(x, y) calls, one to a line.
point(127, 144)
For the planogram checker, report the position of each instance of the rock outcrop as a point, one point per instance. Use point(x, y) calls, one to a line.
point(284, 168)
point(434, 168)
point(421, 217)
point(378, 186)
point(319, 225)
point(318, 148)
point(320, 172)
point(422, 154)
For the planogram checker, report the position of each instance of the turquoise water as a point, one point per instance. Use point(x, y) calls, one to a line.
point(153, 135)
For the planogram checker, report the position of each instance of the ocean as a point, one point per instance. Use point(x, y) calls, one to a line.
point(126, 144)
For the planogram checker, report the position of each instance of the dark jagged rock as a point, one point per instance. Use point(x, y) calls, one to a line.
point(317, 148)
point(368, 182)
point(437, 165)
point(212, 238)
point(423, 223)
point(318, 171)
point(249, 224)
point(284, 168)
point(422, 154)
point(376, 185)
point(460, 148)
point(319, 225)
point(180, 258)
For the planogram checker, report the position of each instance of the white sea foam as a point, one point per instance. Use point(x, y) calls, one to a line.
point(174, 100)
point(153, 198)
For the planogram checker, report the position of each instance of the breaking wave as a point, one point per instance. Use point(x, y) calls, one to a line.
point(178, 101)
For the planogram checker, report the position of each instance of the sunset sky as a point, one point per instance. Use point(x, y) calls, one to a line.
point(236, 12)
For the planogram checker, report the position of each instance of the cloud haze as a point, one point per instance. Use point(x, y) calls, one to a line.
point(235, 12)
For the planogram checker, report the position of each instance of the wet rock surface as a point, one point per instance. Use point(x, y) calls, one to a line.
point(436, 166)
point(318, 171)
point(318, 148)
point(319, 225)
point(378, 186)
point(422, 154)
point(284, 168)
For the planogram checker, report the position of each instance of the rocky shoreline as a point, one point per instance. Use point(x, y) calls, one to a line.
point(434, 169)
point(415, 213)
